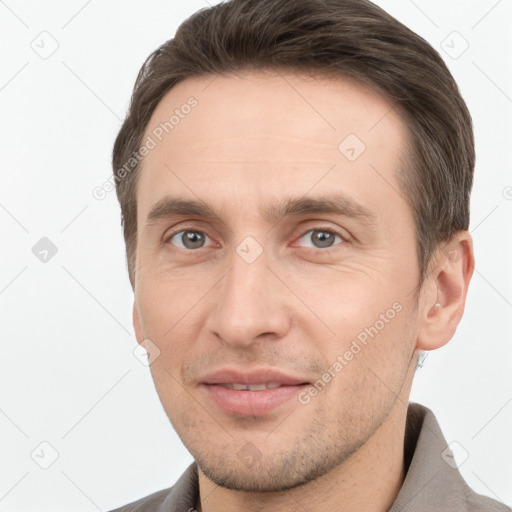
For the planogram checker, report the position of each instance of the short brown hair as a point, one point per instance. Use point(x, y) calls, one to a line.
point(352, 38)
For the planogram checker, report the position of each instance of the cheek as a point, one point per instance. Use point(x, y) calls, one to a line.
point(364, 322)
point(345, 300)
point(370, 365)
point(170, 319)
point(165, 301)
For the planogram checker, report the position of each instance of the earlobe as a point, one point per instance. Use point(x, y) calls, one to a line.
point(440, 314)
point(137, 324)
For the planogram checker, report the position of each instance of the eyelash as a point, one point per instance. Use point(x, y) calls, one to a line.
point(321, 229)
point(344, 238)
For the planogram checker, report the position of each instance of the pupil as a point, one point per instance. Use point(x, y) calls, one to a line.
point(322, 238)
point(192, 239)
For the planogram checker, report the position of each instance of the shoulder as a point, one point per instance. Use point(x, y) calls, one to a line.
point(433, 480)
point(478, 503)
point(182, 496)
point(152, 502)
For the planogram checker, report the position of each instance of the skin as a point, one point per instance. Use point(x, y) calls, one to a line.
point(258, 139)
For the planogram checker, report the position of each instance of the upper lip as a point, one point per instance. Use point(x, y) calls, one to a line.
point(255, 376)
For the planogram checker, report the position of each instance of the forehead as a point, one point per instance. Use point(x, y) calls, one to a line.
point(274, 104)
point(272, 134)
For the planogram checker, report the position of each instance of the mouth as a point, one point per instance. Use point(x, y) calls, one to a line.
point(254, 393)
point(252, 387)
point(251, 400)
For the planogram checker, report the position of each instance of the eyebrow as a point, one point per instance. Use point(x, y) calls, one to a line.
point(338, 204)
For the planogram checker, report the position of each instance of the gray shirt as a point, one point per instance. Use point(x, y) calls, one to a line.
point(432, 481)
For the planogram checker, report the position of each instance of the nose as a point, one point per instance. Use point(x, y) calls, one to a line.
point(250, 305)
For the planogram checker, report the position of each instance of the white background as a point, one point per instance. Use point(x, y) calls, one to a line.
point(67, 372)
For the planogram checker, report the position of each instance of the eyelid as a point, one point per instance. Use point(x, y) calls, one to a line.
point(184, 225)
point(345, 237)
point(343, 234)
point(170, 234)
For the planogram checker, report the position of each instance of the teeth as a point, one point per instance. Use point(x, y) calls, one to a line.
point(252, 387)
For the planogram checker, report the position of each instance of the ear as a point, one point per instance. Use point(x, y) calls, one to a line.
point(443, 302)
point(137, 324)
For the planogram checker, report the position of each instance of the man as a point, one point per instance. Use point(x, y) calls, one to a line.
point(294, 180)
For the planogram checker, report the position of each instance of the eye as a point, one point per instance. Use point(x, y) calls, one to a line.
point(189, 239)
point(320, 239)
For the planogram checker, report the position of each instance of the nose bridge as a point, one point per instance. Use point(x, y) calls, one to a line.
point(248, 304)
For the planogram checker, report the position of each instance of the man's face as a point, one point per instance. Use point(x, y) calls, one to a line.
point(281, 243)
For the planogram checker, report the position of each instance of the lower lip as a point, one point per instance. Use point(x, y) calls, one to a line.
point(251, 403)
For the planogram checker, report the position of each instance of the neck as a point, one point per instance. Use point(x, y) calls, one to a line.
point(368, 481)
